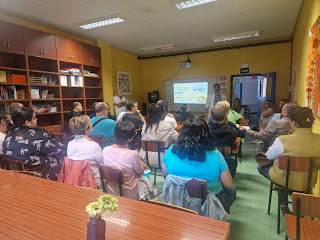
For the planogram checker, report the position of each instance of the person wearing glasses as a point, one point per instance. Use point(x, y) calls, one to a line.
point(102, 126)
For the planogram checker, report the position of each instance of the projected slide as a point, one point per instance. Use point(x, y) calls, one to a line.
point(193, 93)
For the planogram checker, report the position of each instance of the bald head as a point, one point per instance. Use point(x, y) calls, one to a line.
point(14, 106)
point(119, 93)
point(218, 113)
point(102, 109)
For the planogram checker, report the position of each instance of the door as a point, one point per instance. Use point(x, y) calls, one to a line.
point(91, 55)
point(266, 91)
point(48, 44)
point(32, 42)
point(11, 39)
point(68, 50)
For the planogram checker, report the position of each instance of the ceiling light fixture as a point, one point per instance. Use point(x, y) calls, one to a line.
point(236, 36)
point(157, 48)
point(182, 4)
point(100, 22)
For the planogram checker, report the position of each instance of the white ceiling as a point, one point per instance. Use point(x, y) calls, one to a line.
point(158, 22)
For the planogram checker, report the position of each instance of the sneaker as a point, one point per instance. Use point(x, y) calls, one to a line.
point(256, 141)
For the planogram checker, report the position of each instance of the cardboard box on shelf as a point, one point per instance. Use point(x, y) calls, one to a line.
point(16, 78)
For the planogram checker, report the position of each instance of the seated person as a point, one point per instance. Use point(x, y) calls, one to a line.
point(14, 106)
point(266, 114)
point(102, 126)
point(277, 116)
point(301, 142)
point(277, 128)
point(119, 156)
point(237, 106)
point(120, 116)
point(232, 115)
point(33, 146)
point(76, 110)
point(84, 148)
point(169, 117)
point(184, 114)
point(157, 130)
point(93, 114)
point(133, 115)
point(194, 156)
point(5, 122)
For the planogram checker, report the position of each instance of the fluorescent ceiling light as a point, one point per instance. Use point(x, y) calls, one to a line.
point(157, 48)
point(100, 22)
point(236, 36)
point(182, 4)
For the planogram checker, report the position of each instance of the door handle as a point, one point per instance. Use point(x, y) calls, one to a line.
point(44, 52)
point(4, 44)
point(8, 45)
point(40, 51)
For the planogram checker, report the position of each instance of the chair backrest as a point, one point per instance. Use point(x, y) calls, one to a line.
point(244, 122)
point(101, 140)
point(26, 173)
point(309, 205)
point(59, 136)
point(111, 175)
point(197, 188)
point(236, 145)
point(225, 151)
point(172, 206)
point(299, 164)
point(10, 164)
point(153, 146)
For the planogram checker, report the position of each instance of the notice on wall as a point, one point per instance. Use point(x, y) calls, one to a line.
point(223, 81)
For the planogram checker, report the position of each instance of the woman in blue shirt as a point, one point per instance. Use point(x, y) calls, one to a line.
point(194, 156)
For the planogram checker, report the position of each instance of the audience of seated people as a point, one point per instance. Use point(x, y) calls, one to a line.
point(194, 156)
point(33, 146)
point(237, 107)
point(157, 130)
point(277, 116)
point(169, 117)
point(135, 186)
point(184, 114)
point(301, 142)
point(5, 122)
point(84, 148)
point(76, 110)
point(133, 115)
point(102, 126)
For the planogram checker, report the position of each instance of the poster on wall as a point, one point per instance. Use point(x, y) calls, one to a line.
point(313, 69)
point(223, 81)
point(124, 82)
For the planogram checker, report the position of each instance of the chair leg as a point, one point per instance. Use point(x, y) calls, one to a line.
point(278, 220)
point(286, 237)
point(155, 177)
point(270, 197)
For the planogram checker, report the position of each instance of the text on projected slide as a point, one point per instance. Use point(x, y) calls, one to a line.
point(194, 93)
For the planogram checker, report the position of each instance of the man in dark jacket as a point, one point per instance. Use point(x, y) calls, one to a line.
point(76, 110)
point(224, 135)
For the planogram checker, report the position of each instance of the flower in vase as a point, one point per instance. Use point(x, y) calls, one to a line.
point(108, 202)
point(94, 209)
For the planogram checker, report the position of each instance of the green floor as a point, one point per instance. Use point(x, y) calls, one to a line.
point(248, 218)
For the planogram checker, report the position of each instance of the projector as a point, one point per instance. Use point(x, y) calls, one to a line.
point(185, 64)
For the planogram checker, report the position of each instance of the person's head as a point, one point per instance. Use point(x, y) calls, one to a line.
point(24, 117)
point(119, 93)
point(185, 108)
point(267, 104)
point(94, 106)
point(14, 106)
point(225, 105)
point(165, 104)
point(77, 106)
point(102, 109)
point(282, 103)
point(80, 125)
point(194, 139)
point(216, 88)
point(288, 109)
point(157, 112)
point(237, 103)
point(218, 114)
point(132, 106)
point(5, 121)
point(124, 132)
point(302, 117)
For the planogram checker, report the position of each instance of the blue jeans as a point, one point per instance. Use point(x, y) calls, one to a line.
point(227, 197)
point(283, 195)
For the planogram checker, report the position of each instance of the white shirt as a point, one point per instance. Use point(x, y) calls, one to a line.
point(120, 116)
point(172, 121)
point(210, 100)
point(118, 109)
point(275, 150)
point(2, 136)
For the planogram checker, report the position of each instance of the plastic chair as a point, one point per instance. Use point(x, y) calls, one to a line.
point(299, 227)
point(153, 146)
point(111, 175)
point(297, 164)
point(197, 188)
point(172, 206)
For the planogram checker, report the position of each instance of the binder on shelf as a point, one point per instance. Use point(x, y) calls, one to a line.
point(16, 78)
point(63, 80)
point(35, 93)
point(3, 76)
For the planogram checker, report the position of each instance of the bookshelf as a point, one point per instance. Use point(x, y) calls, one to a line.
point(44, 64)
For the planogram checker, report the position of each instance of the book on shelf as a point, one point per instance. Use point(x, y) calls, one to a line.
point(3, 76)
point(11, 93)
point(39, 93)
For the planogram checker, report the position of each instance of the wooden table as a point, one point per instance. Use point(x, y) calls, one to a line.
point(35, 208)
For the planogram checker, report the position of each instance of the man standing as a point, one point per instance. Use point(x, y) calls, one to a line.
point(76, 110)
point(119, 102)
point(214, 98)
point(102, 126)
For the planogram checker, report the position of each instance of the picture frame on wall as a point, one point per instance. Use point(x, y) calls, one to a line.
point(124, 82)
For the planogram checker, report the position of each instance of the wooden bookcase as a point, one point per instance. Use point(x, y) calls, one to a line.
point(36, 54)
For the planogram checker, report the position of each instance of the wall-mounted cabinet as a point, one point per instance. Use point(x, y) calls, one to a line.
point(91, 55)
point(68, 50)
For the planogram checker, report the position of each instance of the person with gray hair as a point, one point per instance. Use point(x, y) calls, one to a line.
point(224, 135)
point(76, 110)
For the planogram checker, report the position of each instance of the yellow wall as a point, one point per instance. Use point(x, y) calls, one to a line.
point(262, 59)
point(128, 62)
point(310, 10)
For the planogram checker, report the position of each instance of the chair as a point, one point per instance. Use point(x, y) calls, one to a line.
point(236, 148)
point(244, 122)
point(101, 140)
point(297, 164)
point(298, 227)
point(59, 137)
point(14, 165)
point(197, 189)
point(111, 175)
point(227, 154)
point(172, 206)
point(153, 146)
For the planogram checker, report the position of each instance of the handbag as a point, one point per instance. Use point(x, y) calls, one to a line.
point(263, 161)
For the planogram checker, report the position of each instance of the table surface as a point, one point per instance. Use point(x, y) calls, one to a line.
point(35, 208)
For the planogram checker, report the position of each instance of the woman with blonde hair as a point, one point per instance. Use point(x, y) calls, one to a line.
point(84, 148)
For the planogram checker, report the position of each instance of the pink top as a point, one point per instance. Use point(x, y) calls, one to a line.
point(129, 161)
